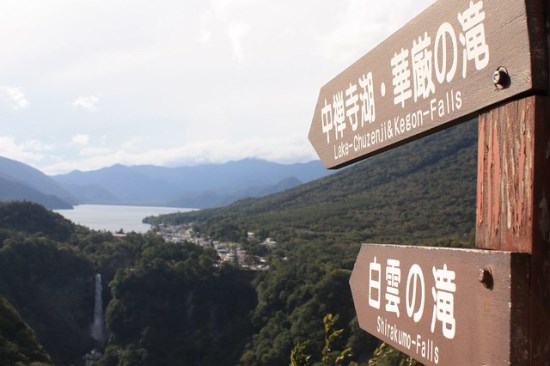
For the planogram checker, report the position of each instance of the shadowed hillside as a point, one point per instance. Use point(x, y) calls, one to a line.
point(170, 302)
point(18, 344)
point(32, 218)
point(421, 191)
point(19, 181)
point(201, 186)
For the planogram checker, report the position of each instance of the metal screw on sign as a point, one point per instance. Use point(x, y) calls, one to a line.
point(501, 78)
point(486, 277)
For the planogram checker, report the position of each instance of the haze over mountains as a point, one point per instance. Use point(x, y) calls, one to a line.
point(201, 186)
point(414, 193)
point(19, 181)
point(208, 185)
point(423, 193)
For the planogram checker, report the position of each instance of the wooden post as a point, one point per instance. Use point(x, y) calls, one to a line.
point(513, 201)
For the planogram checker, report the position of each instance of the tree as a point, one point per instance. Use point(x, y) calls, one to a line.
point(386, 355)
point(329, 356)
point(298, 356)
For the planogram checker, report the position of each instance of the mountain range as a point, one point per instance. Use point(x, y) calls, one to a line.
point(217, 185)
point(19, 181)
point(417, 193)
point(423, 192)
point(200, 186)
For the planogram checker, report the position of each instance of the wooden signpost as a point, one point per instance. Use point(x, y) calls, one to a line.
point(454, 59)
point(459, 59)
point(439, 305)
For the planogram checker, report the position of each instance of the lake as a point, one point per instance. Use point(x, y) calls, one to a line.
point(113, 218)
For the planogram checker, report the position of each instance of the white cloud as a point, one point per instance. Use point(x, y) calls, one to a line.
point(229, 15)
point(38, 146)
point(134, 144)
point(236, 33)
point(366, 23)
point(88, 103)
point(204, 37)
point(94, 151)
point(283, 150)
point(80, 139)
point(29, 152)
point(15, 97)
point(224, 9)
point(174, 72)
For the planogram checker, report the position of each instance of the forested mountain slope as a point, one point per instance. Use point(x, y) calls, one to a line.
point(17, 191)
point(18, 344)
point(165, 303)
point(19, 181)
point(422, 191)
point(205, 185)
point(31, 218)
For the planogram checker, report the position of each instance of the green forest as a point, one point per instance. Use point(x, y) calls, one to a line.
point(175, 304)
point(420, 193)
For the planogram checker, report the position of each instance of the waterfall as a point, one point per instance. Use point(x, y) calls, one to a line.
point(97, 331)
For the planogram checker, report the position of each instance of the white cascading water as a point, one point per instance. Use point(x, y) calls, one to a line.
point(98, 332)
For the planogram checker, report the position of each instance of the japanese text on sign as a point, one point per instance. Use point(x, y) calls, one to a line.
point(427, 63)
point(440, 69)
point(385, 283)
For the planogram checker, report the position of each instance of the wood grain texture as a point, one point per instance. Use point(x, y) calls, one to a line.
point(514, 33)
point(506, 177)
point(489, 326)
point(513, 202)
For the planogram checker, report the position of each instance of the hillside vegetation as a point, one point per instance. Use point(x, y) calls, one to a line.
point(167, 304)
point(205, 185)
point(19, 181)
point(418, 193)
point(174, 304)
point(18, 344)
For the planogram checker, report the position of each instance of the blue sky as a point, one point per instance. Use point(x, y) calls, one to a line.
point(86, 84)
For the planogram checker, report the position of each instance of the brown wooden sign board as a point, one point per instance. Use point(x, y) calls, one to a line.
point(439, 68)
point(443, 306)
